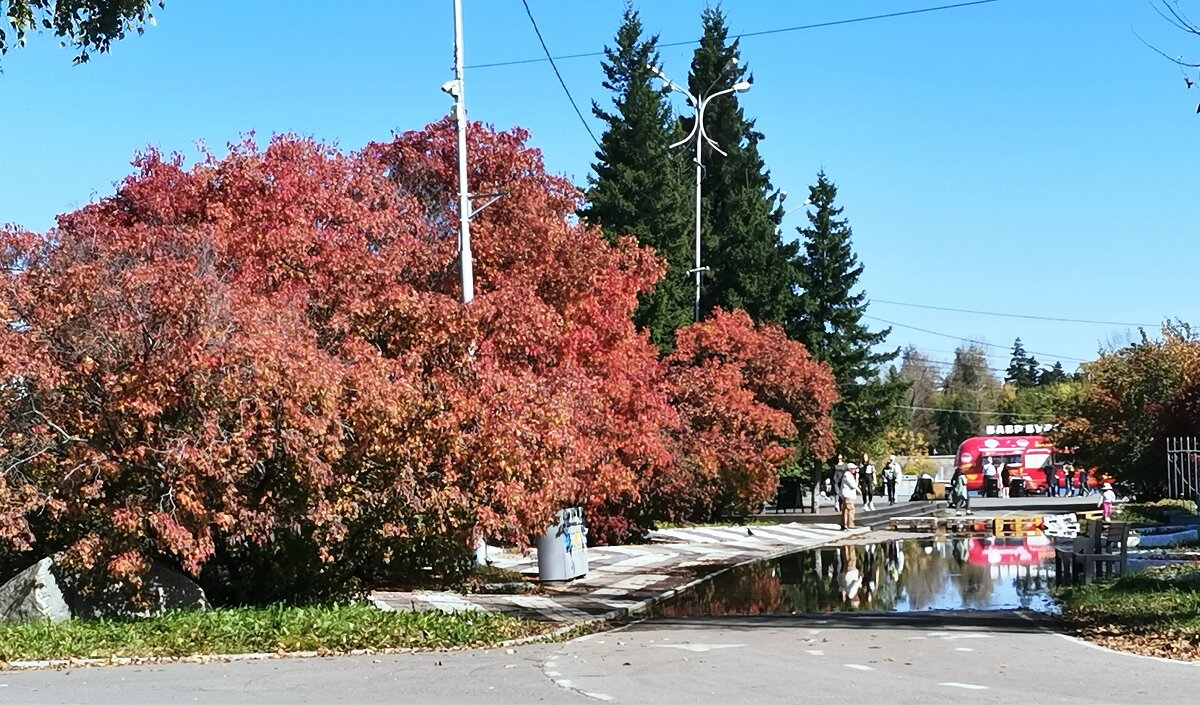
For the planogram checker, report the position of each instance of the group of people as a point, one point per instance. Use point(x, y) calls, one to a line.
point(1067, 482)
point(851, 480)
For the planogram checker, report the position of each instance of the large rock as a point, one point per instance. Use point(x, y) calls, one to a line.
point(34, 594)
point(44, 591)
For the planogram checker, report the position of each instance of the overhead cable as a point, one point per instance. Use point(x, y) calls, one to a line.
point(975, 342)
point(1013, 315)
point(817, 25)
point(554, 66)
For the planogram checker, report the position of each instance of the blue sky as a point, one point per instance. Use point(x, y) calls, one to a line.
point(1029, 157)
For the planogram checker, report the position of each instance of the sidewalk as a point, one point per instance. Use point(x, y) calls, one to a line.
point(625, 580)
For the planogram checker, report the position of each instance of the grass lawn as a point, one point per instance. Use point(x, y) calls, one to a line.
point(1155, 612)
point(334, 629)
point(1153, 512)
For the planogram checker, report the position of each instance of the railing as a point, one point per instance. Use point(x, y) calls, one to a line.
point(1183, 467)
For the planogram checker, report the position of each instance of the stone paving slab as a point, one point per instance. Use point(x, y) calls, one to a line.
point(623, 580)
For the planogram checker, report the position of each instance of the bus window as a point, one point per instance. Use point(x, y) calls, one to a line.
point(1036, 462)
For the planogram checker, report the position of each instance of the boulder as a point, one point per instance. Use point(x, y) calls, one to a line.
point(44, 591)
point(34, 594)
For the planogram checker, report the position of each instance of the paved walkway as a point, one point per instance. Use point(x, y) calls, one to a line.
point(623, 580)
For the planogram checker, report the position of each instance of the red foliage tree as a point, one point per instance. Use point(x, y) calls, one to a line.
point(261, 364)
point(745, 393)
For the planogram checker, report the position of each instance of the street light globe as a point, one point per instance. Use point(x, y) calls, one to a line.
point(741, 86)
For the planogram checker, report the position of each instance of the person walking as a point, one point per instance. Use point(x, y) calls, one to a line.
point(891, 475)
point(848, 490)
point(1051, 481)
point(1107, 498)
point(1005, 480)
point(990, 478)
point(835, 484)
point(866, 481)
point(1084, 490)
point(961, 498)
point(1069, 479)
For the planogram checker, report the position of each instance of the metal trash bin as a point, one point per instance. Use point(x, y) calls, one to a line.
point(562, 548)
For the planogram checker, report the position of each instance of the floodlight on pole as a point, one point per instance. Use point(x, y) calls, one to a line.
point(701, 137)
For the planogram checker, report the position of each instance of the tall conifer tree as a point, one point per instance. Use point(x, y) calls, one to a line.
point(1022, 368)
point(748, 264)
point(826, 316)
point(637, 188)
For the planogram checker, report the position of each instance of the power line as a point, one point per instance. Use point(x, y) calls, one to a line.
point(950, 363)
point(979, 412)
point(968, 340)
point(818, 25)
point(554, 66)
point(1013, 315)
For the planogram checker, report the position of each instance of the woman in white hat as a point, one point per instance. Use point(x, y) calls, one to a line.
point(1107, 497)
point(847, 490)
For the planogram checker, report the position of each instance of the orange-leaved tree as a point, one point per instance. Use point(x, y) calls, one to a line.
point(259, 369)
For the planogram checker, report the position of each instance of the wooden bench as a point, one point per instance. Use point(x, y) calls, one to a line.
point(1103, 552)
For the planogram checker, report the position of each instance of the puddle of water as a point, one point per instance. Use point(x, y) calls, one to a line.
point(909, 575)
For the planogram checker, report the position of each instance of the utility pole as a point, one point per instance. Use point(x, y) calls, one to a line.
point(464, 195)
point(701, 137)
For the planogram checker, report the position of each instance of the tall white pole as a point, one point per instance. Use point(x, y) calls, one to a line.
point(464, 195)
point(699, 181)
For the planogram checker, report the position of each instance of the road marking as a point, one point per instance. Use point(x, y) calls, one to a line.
point(815, 652)
point(698, 647)
point(859, 667)
point(964, 648)
point(599, 696)
point(553, 674)
point(964, 686)
point(970, 635)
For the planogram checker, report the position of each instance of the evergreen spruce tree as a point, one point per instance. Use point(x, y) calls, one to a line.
point(826, 315)
point(741, 244)
point(638, 188)
point(1053, 375)
point(1022, 368)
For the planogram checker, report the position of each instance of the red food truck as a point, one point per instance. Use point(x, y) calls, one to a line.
point(1021, 448)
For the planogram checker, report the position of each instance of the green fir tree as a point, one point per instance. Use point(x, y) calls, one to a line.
point(638, 188)
point(741, 244)
point(1053, 375)
point(826, 315)
point(1022, 368)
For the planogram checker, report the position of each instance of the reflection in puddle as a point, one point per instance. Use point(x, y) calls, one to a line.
point(910, 575)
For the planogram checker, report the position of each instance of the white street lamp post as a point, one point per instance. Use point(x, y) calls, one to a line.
point(701, 137)
point(456, 89)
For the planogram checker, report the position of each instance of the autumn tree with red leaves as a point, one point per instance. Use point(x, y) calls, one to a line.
point(258, 369)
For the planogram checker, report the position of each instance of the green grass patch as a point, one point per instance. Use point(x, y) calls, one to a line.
point(336, 629)
point(1155, 612)
point(1154, 512)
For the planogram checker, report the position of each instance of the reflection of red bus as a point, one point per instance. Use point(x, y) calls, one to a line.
point(1025, 457)
point(1025, 550)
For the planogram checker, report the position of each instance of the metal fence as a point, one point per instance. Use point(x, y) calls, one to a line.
point(1183, 467)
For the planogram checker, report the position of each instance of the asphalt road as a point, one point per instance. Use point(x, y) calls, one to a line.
point(898, 660)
